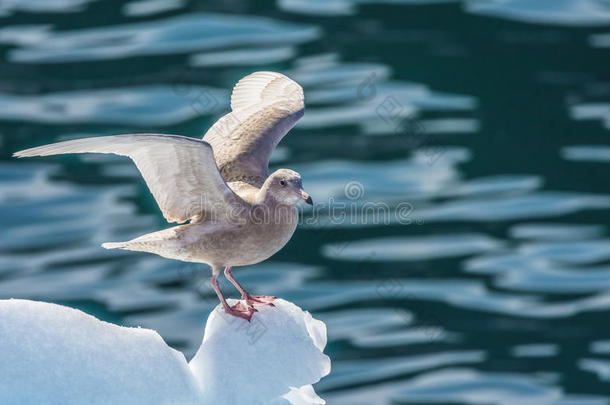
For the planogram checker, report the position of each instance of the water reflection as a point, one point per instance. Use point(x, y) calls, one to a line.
point(340, 7)
point(535, 350)
point(173, 35)
point(151, 105)
point(42, 6)
point(349, 373)
point(467, 386)
point(555, 231)
point(413, 248)
point(598, 366)
point(592, 111)
point(141, 8)
point(564, 12)
point(247, 56)
point(601, 347)
point(587, 153)
point(561, 12)
point(600, 40)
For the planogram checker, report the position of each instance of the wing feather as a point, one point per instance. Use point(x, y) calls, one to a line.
point(179, 171)
point(265, 106)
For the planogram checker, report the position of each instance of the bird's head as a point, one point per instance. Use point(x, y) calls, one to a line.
point(285, 186)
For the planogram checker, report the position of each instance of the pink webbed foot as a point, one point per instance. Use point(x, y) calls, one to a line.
point(265, 300)
point(241, 310)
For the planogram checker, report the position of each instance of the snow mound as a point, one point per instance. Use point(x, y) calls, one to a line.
point(52, 354)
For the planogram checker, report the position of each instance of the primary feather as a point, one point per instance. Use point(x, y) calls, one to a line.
point(179, 171)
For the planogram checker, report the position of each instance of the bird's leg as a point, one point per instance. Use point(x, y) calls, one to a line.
point(250, 299)
point(239, 310)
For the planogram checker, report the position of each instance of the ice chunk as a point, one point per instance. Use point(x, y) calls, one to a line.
point(55, 354)
point(50, 353)
point(280, 348)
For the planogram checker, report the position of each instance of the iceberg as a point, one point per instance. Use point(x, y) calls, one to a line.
point(53, 354)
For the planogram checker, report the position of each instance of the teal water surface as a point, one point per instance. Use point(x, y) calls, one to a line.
point(465, 143)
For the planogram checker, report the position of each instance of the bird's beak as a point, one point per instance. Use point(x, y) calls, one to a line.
point(305, 197)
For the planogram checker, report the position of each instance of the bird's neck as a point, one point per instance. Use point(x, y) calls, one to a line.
point(264, 196)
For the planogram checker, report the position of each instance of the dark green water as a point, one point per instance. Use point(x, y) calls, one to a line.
point(480, 129)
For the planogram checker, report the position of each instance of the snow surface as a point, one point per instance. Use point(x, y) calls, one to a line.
point(52, 354)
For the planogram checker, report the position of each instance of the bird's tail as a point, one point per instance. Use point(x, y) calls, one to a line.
point(114, 245)
point(160, 242)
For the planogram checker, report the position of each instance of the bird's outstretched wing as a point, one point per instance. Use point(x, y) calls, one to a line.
point(265, 106)
point(180, 172)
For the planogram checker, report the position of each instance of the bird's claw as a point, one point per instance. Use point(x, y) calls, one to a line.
point(241, 310)
point(265, 300)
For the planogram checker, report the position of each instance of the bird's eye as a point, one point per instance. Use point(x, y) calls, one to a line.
point(282, 182)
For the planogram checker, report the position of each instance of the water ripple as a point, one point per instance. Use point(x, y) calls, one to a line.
point(597, 366)
point(8, 7)
point(555, 231)
point(347, 373)
point(173, 35)
point(600, 347)
point(554, 12)
point(140, 8)
point(592, 111)
point(412, 248)
point(535, 350)
point(465, 386)
point(159, 105)
point(587, 153)
point(557, 12)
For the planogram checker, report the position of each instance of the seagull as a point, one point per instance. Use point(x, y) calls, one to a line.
point(231, 211)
